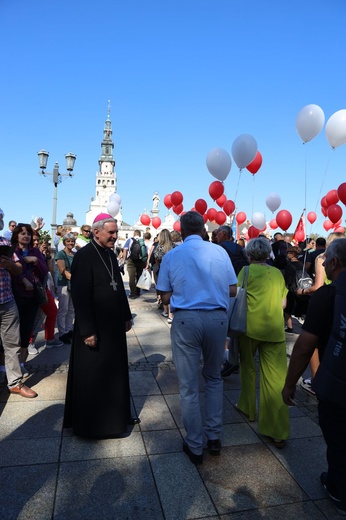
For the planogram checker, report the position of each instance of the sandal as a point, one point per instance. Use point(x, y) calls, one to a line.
point(279, 443)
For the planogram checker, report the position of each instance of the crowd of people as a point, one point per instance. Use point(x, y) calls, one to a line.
point(197, 278)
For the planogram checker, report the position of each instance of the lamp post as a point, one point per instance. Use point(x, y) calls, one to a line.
point(57, 178)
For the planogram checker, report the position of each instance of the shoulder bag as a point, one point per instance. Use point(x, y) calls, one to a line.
point(238, 312)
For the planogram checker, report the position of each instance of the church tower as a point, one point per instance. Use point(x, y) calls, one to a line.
point(106, 181)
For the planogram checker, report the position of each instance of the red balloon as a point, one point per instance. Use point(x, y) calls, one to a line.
point(216, 189)
point(156, 222)
point(228, 207)
point(176, 226)
point(340, 229)
point(241, 217)
point(201, 206)
point(342, 192)
point(205, 218)
point(324, 211)
point(176, 198)
point(220, 218)
point(324, 202)
point(253, 232)
point(299, 236)
point(327, 224)
point(273, 224)
point(182, 213)
point(178, 209)
point(255, 165)
point(211, 214)
point(311, 216)
point(145, 219)
point(221, 200)
point(332, 197)
point(167, 201)
point(284, 219)
point(334, 213)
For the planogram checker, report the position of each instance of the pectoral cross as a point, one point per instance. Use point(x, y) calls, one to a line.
point(114, 284)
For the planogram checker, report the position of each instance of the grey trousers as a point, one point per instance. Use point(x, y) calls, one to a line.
point(10, 338)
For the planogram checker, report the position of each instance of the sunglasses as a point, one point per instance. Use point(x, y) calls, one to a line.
point(87, 230)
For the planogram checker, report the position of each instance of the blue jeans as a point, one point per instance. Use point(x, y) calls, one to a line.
point(196, 333)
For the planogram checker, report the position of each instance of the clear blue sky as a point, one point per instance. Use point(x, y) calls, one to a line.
point(183, 77)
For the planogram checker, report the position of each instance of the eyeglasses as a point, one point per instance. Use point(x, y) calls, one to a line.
point(86, 230)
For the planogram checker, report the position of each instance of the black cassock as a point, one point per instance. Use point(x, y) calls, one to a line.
point(98, 392)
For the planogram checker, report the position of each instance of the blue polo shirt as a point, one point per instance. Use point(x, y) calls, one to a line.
point(198, 273)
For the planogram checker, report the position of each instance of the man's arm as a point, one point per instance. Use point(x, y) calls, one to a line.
point(165, 296)
point(14, 268)
point(302, 352)
point(233, 290)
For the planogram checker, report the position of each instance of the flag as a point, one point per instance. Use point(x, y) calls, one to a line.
point(300, 232)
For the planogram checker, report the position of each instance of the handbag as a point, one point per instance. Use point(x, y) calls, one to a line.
point(144, 281)
point(40, 293)
point(238, 311)
point(68, 285)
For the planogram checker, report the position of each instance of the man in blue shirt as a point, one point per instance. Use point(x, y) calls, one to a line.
point(197, 279)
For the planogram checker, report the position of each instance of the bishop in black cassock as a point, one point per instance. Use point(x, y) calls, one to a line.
point(98, 393)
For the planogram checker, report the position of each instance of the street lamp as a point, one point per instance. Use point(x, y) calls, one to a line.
point(57, 178)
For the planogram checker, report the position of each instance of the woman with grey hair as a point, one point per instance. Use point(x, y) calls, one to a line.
point(266, 299)
point(64, 260)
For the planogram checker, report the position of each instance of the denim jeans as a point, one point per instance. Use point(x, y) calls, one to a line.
point(194, 334)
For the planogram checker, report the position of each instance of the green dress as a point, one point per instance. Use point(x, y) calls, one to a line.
point(265, 334)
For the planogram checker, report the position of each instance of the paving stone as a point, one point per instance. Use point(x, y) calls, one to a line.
point(74, 448)
point(31, 419)
point(108, 489)
point(300, 511)
point(180, 487)
point(28, 494)
point(248, 477)
point(22, 452)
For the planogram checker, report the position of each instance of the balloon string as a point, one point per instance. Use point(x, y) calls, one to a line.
point(236, 191)
point(253, 195)
point(306, 174)
point(324, 177)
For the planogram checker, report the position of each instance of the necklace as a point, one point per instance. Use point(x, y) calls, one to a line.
point(112, 283)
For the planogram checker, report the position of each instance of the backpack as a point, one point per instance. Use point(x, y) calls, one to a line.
point(303, 280)
point(236, 254)
point(138, 252)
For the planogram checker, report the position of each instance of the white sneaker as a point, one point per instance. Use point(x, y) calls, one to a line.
point(32, 350)
point(51, 343)
point(306, 385)
point(165, 314)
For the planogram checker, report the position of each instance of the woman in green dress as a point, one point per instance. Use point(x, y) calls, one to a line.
point(266, 299)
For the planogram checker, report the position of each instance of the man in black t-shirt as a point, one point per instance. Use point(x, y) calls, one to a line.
point(311, 257)
point(326, 316)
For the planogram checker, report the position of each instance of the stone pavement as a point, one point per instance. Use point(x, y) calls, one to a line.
point(46, 473)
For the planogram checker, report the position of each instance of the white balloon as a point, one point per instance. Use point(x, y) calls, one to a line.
point(115, 197)
point(336, 129)
point(219, 163)
point(258, 220)
point(244, 149)
point(113, 208)
point(309, 122)
point(273, 201)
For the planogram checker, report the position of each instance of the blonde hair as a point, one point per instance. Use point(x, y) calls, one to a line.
point(333, 236)
point(165, 240)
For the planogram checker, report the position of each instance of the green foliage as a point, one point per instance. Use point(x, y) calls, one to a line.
point(45, 236)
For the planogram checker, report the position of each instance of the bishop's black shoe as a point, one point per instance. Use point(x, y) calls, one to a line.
point(133, 420)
